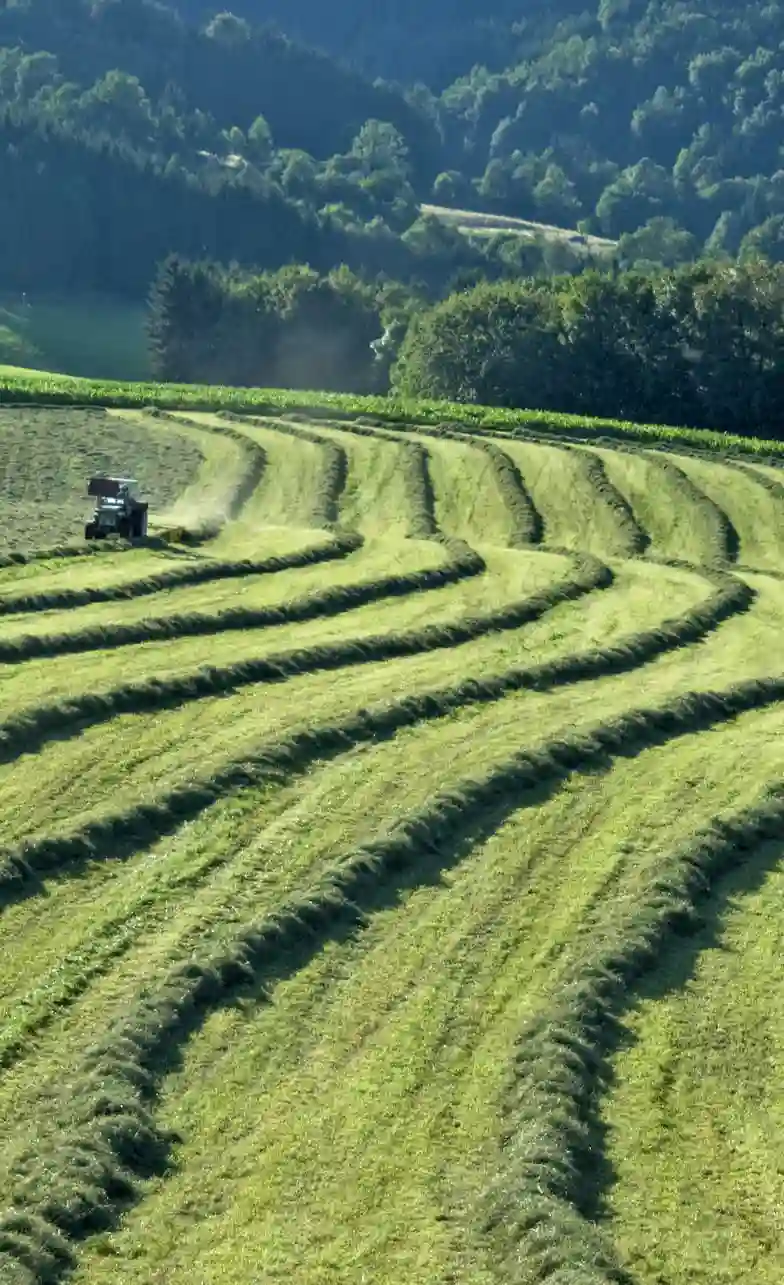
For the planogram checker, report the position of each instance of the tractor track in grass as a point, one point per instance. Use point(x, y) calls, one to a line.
point(241, 489)
point(164, 839)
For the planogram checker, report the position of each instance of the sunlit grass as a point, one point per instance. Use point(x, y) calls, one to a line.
point(342, 1101)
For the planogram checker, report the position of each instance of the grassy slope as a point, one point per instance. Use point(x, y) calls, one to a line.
point(363, 1076)
point(85, 336)
point(756, 513)
point(423, 1048)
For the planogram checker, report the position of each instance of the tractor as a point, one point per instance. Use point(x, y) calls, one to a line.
point(118, 510)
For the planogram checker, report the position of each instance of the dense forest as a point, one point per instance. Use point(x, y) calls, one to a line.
point(651, 122)
point(615, 113)
point(150, 135)
point(132, 130)
point(432, 42)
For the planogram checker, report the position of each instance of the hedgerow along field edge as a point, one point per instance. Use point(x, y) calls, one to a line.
point(351, 790)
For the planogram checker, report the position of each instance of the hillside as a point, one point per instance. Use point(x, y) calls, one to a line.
point(151, 136)
point(649, 127)
point(229, 72)
point(617, 113)
point(642, 112)
point(402, 851)
point(409, 41)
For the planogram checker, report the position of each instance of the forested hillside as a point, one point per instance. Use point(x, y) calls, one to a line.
point(645, 110)
point(619, 112)
point(634, 112)
point(224, 69)
point(150, 135)
point(316, 135)
point(431, 41)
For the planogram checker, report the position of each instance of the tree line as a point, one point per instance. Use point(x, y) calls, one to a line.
point(701, 345)
point(293, 328)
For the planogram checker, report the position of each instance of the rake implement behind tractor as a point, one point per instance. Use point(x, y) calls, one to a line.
point(118, 511)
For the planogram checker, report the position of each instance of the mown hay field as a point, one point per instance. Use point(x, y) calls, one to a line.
point(47, 456)
point(390, 857)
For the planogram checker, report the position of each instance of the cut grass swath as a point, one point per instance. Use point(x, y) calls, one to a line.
point(202, 572)
point(335, 473)
point(541, 1204)
point(463, 564)
point(31, 729)
point(415, 466)
point(724, 537)
point(163, 540)
point(526, 522)
point(78, 1185)
point(22, 866)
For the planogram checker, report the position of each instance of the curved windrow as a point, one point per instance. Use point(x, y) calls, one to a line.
point(443, 745)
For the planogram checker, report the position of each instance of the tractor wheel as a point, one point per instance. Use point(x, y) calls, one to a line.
point(90, 532)
point(137, 526)
point(124, 529)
